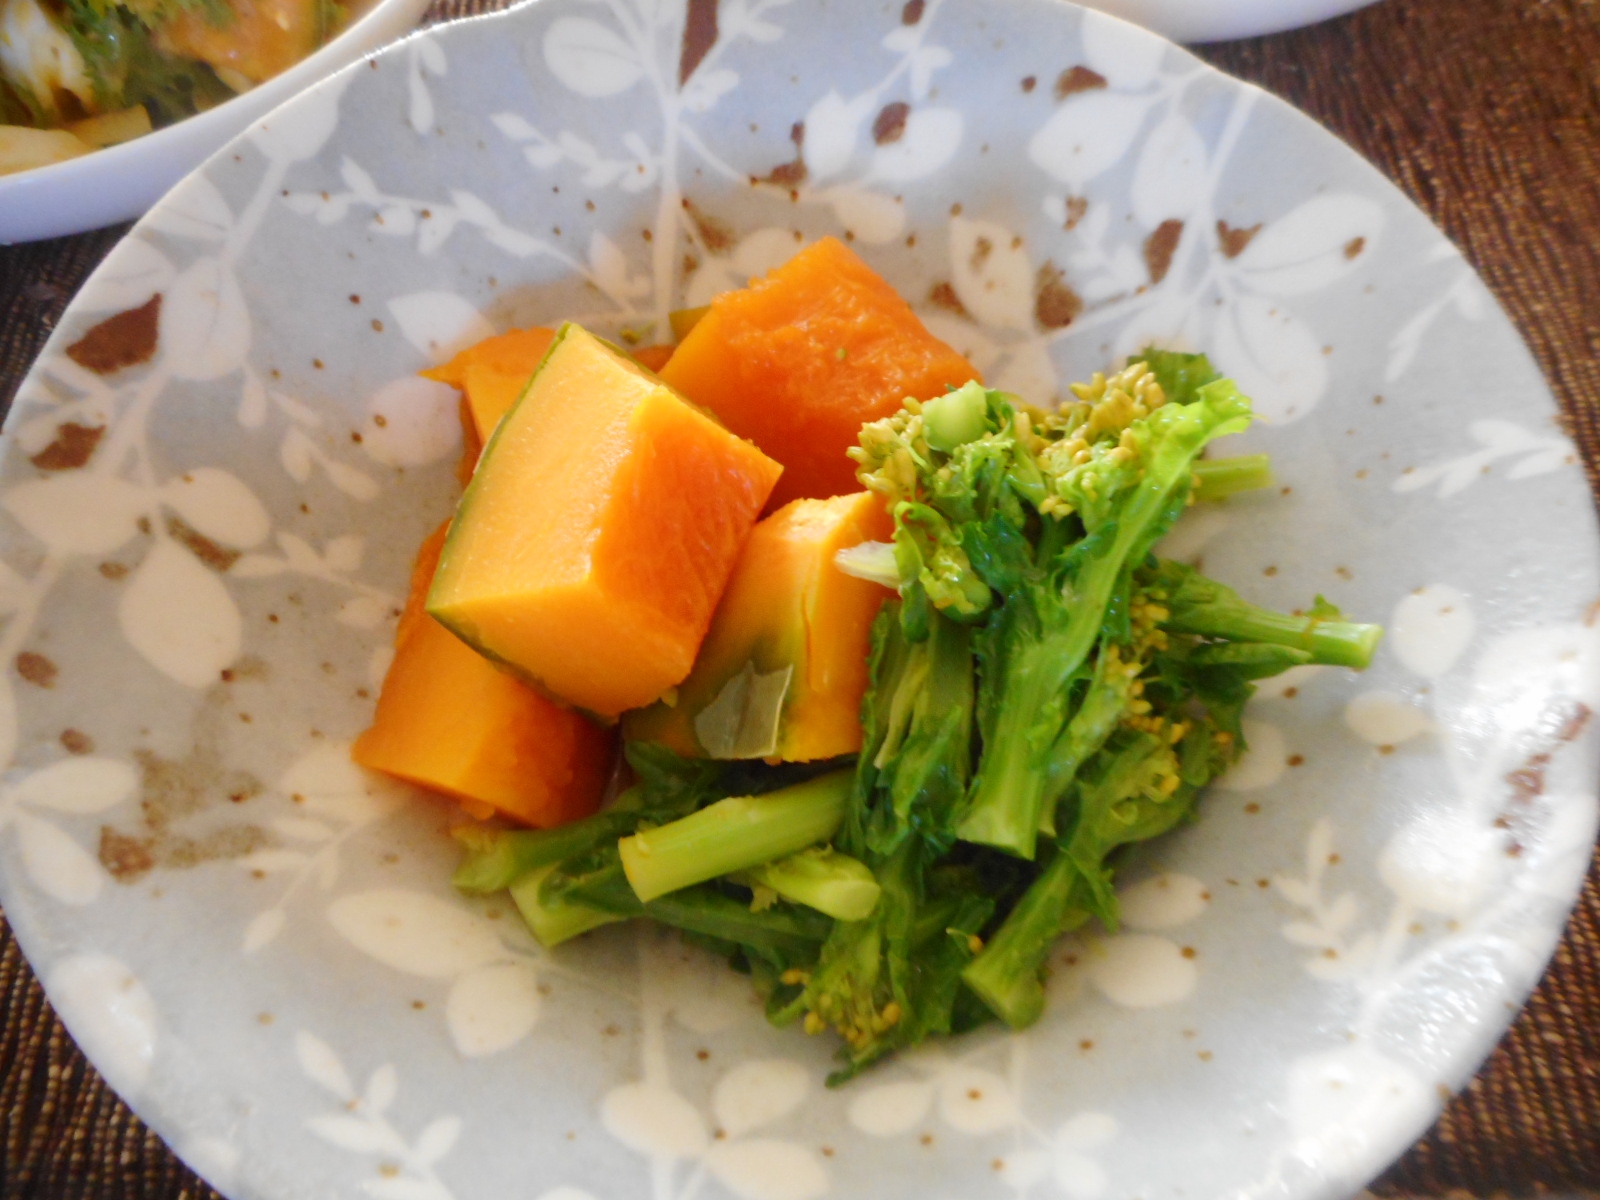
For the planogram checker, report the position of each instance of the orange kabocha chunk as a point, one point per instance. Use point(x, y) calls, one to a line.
point(448, 720)
point(782, 672)
point(492, 373)
point(598, 531)
point(798, 361)
point(652, 357)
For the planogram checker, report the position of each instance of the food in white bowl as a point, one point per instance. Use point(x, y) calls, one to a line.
point(105, 106)
point(258, 944)
point(76, 77)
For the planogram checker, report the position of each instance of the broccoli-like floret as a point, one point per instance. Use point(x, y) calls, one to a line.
point(1037, 650)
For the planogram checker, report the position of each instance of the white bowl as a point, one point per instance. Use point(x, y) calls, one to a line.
point(258, 944)
point(1219, 20)
point(122, 181)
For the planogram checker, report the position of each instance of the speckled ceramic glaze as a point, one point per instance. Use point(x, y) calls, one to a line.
point(210, 502)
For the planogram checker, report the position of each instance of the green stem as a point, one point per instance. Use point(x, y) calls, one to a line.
point(1085, 733)
point(553, 924)
point(783, 934)
point(1008, 797)
point(496, 858)
point(1218, 478)
point(832, 883)
point(1209, 609)
point(734, 835)
point(1006, 973)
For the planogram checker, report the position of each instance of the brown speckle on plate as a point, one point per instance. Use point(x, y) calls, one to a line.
point(217, 557)
point(889, 126)
point(173, 790)
point(37, 669)
point(1231, 241)
point(71, 448)
point(793, 172)
point(943, 295)
point(1055, 305)
point(699, 35)
point(1078, 79)
point(715, 234)
point(1159, 248)
point(122, 340)
point(126, 859)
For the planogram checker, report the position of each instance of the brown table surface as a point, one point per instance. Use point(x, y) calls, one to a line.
point(1487, 114)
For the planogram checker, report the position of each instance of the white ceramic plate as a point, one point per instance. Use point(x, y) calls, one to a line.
point(121, 182)
point(1218, 20)
point(258, 944)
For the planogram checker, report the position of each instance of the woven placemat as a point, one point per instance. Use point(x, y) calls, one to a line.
point(1487, 113)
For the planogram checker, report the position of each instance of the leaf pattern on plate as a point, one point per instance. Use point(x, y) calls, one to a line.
point(206, 327)
point(199, 214)
point(650, 1116)
point(361, 1126)
point(138, 272)
point(975, 1101)
point(78, 514)
point(1497, 439)
point(235, 515)
point(334, 801)
point(180, 617)
point(426, 58)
